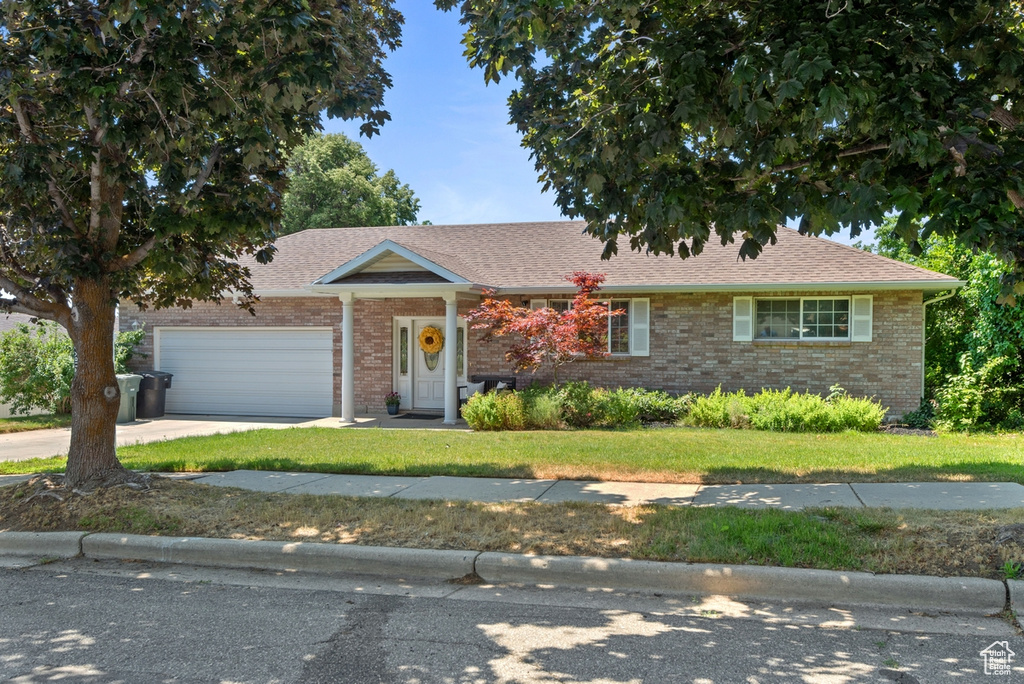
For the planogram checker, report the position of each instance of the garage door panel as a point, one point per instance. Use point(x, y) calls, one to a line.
point(249, 371)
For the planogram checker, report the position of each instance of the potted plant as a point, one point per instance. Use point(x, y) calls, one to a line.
point(392, 400)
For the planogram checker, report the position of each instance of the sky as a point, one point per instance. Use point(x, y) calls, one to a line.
point(449, 137)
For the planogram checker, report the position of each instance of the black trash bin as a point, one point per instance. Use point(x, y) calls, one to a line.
point(152, 394)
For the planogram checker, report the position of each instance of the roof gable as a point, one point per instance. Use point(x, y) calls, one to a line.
point(391, 257)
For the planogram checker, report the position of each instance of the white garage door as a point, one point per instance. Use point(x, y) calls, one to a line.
point(247, 371)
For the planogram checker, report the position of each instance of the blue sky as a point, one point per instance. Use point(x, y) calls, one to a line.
point(449, 137)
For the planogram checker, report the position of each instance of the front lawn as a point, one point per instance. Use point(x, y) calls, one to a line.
point(642, 455)
point(948, 543)
point(26, 423)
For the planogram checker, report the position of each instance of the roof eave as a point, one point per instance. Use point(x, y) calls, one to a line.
point(923, 285)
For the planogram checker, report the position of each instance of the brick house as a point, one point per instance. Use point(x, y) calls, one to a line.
point(341, 312)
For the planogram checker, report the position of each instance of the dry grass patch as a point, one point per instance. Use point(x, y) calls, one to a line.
point(911, 542)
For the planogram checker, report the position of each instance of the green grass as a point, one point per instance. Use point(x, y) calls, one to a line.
point(26, 423)
point(670, 455)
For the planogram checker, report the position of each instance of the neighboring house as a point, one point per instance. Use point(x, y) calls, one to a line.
point(8, 322)
point(341, 310)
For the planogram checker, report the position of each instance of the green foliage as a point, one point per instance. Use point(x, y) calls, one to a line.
point(976, 399)
point(333, 184)
point(654, 406)
point(543, 410)
point(37, 365)
point(582, 405)
point(666, 125)
point(36, 368)
point(495, 411)
point(974, 348)
point(786, 411)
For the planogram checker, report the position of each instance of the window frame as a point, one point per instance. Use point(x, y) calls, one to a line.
point(849, 323)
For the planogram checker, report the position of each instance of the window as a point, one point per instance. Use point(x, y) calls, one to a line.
point(403, 350)
point(628, 333)
point(802, 319)
point(806, 318)
point(460, 352)
point(618, 328)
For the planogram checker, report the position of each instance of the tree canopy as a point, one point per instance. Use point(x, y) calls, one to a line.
point(333, 184)
point(668, 123)
point(142, 152)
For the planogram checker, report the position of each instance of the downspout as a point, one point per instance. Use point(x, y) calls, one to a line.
point(924, 320)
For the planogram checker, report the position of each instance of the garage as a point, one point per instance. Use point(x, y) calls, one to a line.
point(247, 371)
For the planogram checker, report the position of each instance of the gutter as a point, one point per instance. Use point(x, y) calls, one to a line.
point(924, 319)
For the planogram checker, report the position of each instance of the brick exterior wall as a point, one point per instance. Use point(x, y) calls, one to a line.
point(691, 347)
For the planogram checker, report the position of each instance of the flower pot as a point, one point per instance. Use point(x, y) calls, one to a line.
point(392, 409)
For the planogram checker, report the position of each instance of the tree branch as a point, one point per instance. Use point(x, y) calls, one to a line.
point(134, 258)
point(203, 177)
point(26, 130)
point(29, 303)
point(1003, 117)
point(792, 166)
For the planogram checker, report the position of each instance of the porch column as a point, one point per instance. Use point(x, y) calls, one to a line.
point(451, 391)
point(348, 365)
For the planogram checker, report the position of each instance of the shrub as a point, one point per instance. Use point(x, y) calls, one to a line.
point(712, 410)
point(654, 406)
point(786, 411)
point(980, 399)
point(619, 409)
point(495, 411)
point(582, 405)
point(37, 365)
point(543, 411)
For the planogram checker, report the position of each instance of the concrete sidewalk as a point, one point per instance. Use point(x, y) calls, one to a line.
point(789, 497)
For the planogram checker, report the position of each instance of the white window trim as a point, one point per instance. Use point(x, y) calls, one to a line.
point(630, 315)
point(863, 321)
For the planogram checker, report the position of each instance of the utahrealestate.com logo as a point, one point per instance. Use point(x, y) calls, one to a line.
point(998, 658)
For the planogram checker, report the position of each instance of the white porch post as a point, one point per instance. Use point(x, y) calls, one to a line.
point(348, 365)
point(451, 392)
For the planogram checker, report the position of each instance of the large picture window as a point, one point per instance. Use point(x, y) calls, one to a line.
point(802, 319)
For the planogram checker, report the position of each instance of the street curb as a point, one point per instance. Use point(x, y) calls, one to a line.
point(1015, 590)
point(284, 556)
point(41, 544)
point(960, 595)
point(957, 595)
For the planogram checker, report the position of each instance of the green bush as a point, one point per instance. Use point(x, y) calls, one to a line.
point(543, 411)
point(786, 411)
point(654, 406)
point(495, 411)
point(37, 365)
point(619, 409)
point(712, 410)
point(978, 399)
point(582, 405)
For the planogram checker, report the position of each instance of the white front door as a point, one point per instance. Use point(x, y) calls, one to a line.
point(428, 378)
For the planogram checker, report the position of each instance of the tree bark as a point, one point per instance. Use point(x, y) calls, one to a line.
point(95, 398)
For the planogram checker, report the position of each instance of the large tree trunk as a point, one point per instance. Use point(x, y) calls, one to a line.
point(95, 398)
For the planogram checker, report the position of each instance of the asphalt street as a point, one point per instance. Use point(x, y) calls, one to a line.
point(86, 621)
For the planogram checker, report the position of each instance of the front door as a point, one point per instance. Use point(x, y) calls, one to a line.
point(428, 378)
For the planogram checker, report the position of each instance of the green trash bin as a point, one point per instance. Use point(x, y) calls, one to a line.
point(129, 386)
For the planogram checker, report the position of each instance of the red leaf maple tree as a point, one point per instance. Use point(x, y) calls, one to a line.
point(546, 337)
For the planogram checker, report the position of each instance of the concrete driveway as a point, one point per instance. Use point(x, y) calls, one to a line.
point(22, 446)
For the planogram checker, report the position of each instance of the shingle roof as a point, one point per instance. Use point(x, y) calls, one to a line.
point(537, 255)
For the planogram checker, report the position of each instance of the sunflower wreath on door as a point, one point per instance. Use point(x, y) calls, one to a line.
point(431, 342)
